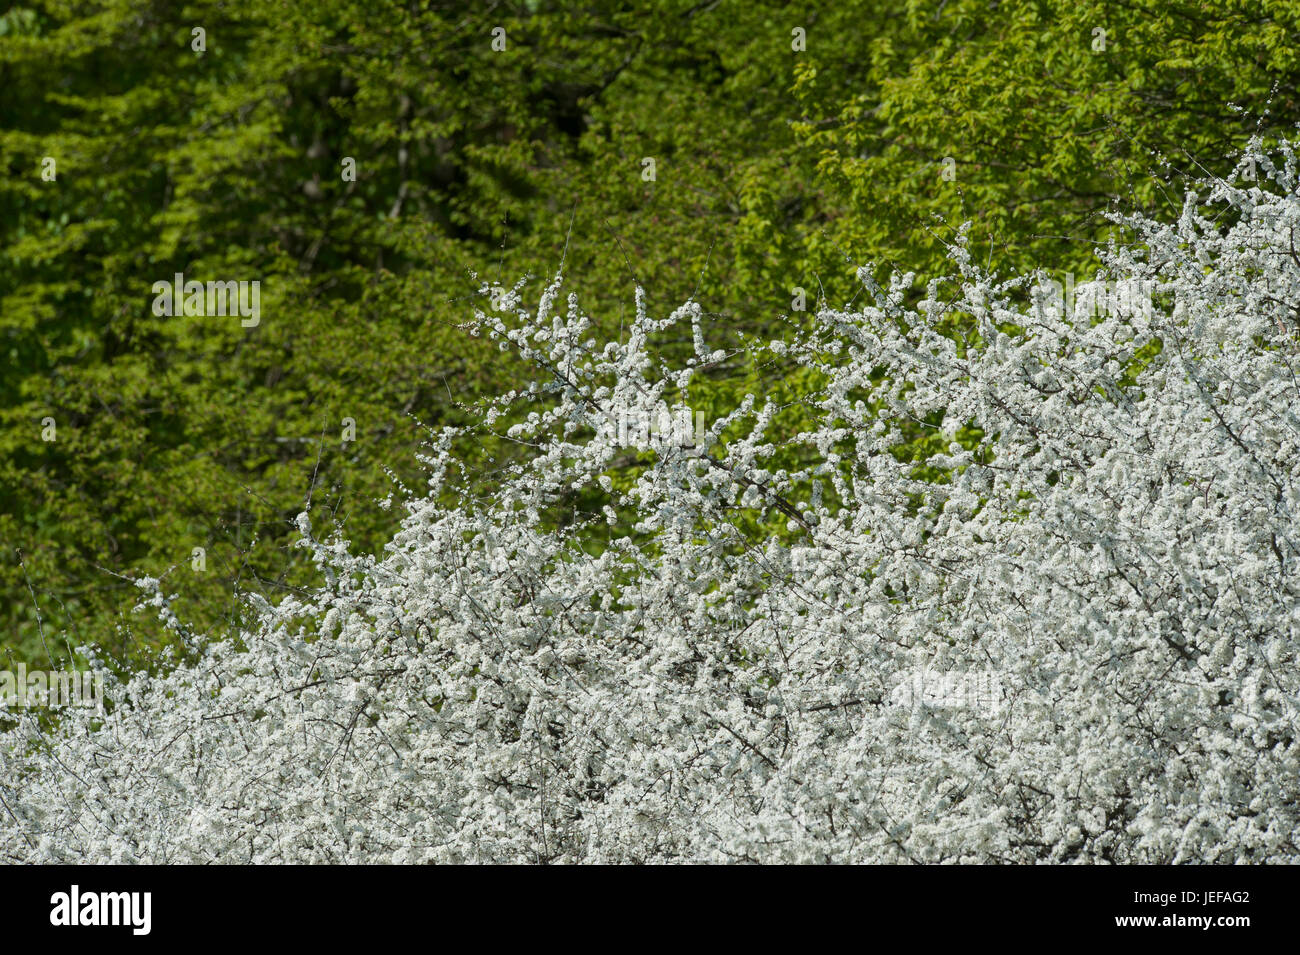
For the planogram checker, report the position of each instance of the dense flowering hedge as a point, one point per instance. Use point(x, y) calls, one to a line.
point(1107, 536)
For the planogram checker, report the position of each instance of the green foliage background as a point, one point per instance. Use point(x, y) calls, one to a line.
point(776, 168)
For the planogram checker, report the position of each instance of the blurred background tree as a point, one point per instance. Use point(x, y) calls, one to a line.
point(790, 144)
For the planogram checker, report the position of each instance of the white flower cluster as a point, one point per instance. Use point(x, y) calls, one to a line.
point(1107, 525)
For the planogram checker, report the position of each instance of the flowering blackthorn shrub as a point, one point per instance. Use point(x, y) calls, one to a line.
point(1103, 526)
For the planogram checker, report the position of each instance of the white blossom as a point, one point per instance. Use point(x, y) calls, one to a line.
point(1107, 535)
